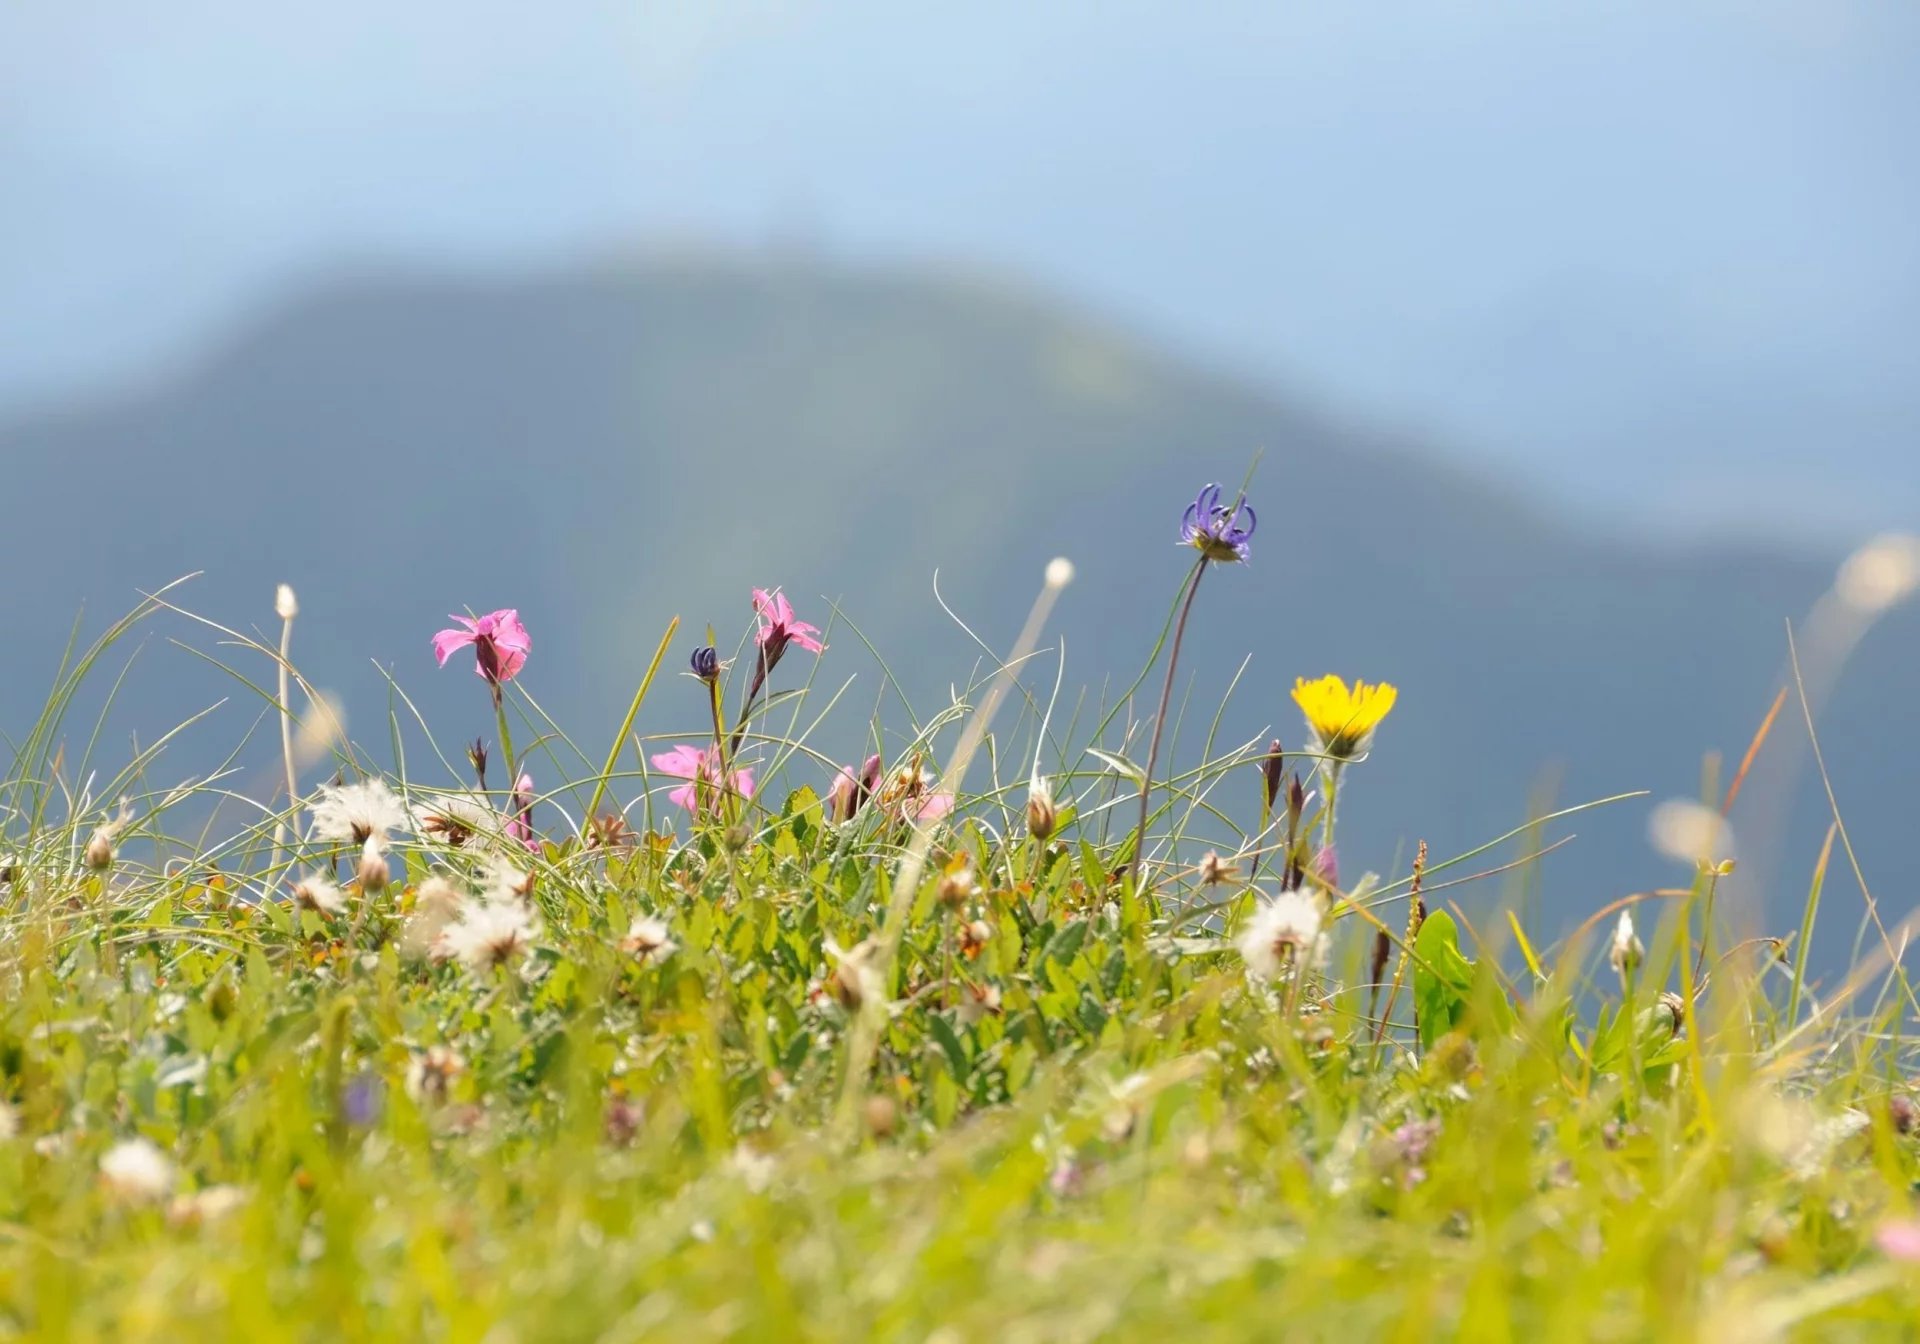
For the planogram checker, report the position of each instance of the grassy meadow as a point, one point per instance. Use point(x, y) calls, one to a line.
point(1023, 1026)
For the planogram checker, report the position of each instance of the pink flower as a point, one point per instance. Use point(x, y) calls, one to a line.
point(850, 792)
point(911, 795)
point(778, 628)
point(699, 768)
point(1900, 1239)
point(520, 818)
point(500, 644)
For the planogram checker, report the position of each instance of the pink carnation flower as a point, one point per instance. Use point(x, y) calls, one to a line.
point(779, 627)
point(500, 644)
point(699, 768)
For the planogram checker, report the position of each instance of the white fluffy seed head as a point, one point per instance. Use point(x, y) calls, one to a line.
point(1059, 572)
point(285, 605)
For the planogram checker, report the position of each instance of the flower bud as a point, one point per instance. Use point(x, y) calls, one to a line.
point(1272, 773)
point(1041, 814)
point(1627, 951)
point(285, 605)
point(956, 883)
point(706, 663)
point(99, 855)
point(477, 757)
point(374, 874)
point(1296, 801)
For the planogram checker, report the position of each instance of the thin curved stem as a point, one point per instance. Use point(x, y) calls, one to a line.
point(1160, 723)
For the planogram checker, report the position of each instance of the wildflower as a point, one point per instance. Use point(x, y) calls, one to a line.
point(99, 853)
point(850, 792)
point(137, 1171)
point(520, 818)
point(701, 769)
point(500, 644)
point(1899, 1239)
point(316, 893)
point(1215, 870)
point(779, 628)
point(1341, 719)
point(206, 1205)
point(647, 940)
point(373, 872)
point(1042, 816)
point(623, 1121)
point(706, 663)
point(431, 1073)
point(1272, 770)
point(1283, 934)
point(487, 935)
point(356, 813)
point(454, 819)
point(1626, 952)
point(1214, 529)
point(609, 830)
point(911, 795)
point(1325, 868)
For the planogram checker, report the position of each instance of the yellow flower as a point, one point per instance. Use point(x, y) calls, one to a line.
point(1343, 719)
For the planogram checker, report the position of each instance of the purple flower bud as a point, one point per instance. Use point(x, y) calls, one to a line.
point(706, 663)
point(1272, 767)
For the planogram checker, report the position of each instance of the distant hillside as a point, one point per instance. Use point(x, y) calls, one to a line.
point(607, 448)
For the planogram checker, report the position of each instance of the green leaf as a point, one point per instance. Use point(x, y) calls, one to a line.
point(1442, 978)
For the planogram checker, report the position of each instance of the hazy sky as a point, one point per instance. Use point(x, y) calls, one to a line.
point(1665, 258)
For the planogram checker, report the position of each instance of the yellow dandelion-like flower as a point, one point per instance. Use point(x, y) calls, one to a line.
point(1340, 718)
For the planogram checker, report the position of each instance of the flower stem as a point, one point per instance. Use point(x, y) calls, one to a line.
point(506, 736)
point(1159, 724)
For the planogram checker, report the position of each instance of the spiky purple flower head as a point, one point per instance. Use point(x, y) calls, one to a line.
point(1215, 529)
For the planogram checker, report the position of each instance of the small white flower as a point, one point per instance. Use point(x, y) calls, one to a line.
point(487, 935)
point(454, 819)
point(356, 813)
point(136, 1171)
point(205, 1206)
point(1626, 953)
point(647, 940)
point(1284, 933)
point(316, 893)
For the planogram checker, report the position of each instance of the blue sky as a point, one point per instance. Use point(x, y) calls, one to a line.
point(1660, 259)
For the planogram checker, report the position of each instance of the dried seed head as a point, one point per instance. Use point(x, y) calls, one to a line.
point(99, 855)
point(1215, 870)
point(974, 937)
point(956, 883)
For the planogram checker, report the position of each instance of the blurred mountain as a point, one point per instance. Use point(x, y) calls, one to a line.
point(607, 447)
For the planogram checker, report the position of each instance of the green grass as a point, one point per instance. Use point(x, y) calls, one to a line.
point(1072, 1113)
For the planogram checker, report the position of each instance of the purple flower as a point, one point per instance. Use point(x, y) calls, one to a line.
point(500, 644)
point(706, 663)
point(1214, 529)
